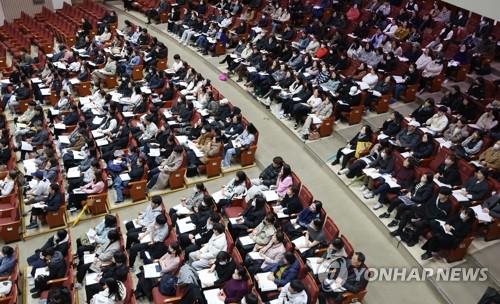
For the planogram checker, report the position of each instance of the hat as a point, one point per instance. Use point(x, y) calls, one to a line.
point(37, 174)
point(118, 153)
point(354, 91)
point(414, 123)
point(445, 190)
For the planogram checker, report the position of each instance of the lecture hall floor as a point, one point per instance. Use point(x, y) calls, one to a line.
point(309, 161)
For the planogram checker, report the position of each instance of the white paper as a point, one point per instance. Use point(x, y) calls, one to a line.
point(246, 240)
point(207, 278)
point(64, 139)
point(182, 210)
point(26, 146)
point(154, 152)
point(146, 237)
point(41, 271)
point(398, 79)
point(88, 258)
point(91, 235)
point(347, 151)
point(97, 120)
point(124, 177)
point(77, 155)
point(54, 112)
point(300, 243)
point(458, 194)
point(45, 92)
point(128, 114)
point(481, 215)
point(213, 296)
point(217, 196)
point(264, 283)
point(185, 225)
point(73, 172)
point(60, 126)
point(270, 195)
point(30, 166)
point(315, 265)
point(443, 224)
point(151, 271)
point(255, 255)
point(101, 142)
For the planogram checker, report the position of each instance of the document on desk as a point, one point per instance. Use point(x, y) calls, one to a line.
point(73, 172)
point(300, 244)
point(246, 240)
point(264, 283)
point(91, 278)
point(152, 270)
point(88, 258)
point(481, 215)
point(26, 146)
point(207, 278)
point(185, 225)
point(270, 195)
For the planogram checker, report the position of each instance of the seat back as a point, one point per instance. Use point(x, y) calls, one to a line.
point(330, 229)
point(311, 288)
point(347, 246)
point(305, 196)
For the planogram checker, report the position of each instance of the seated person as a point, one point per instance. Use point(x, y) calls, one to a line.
point(192, 201)
point(59, 242)
point(425, 148)
point(150, 240)
point(249, 218)
point(408, 138)
point(491, 157)
point(449, 235)
point(83, 192)
point(304, 219)
point(53, 202)
point(354, 282)
point(103, 256)
point(242, 141)
point(362, 139)
point(235, 288)
point(114, 292)
point(287, 272)
point(290, 203)
point(235, 188)
point(438, 122)
point(204, 257)
point(447, 172)
point(476, 187)
point(7, 261)
point(269, 175)
point(492, 206)
point(293, 292)
point(85, 243)
point(224, 267)
point(313, 238)
point(8, 183)
point(419, 194)
point(271, 254)
point(263, 233)
point(135, 172)
point(471, 146)
point(118, 270)
point(57, 270)
point(159, 176)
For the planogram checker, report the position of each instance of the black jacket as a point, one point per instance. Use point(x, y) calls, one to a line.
point(136, 172)
point(423, 150)
point(270, 175)
point(224, 272)
point(253, 217)
point(421, 114)
point(432, 210)
point(62, 247)
point(423, 194)
point(460, 228)
point(292, 204)
point(53, 202)
point(478, 190)
point(449, 175)
point(57, 266)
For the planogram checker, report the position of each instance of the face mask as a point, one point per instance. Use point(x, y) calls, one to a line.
point(383, 154)
point(462, 216)
point(496, 147)
point(222, 263)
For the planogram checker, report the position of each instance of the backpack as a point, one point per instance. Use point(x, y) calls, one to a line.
point(168, 284)
point(409, 236)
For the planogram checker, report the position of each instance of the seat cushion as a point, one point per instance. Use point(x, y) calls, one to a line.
point(233, 211)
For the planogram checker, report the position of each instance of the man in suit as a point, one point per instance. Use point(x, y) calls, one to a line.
point(437, 208)
point(52, 203)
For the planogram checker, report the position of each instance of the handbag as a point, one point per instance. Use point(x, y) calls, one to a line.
point(362, 147)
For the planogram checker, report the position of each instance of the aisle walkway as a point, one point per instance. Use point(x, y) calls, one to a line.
point(339, 202)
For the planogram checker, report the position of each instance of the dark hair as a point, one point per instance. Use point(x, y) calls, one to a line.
point(201, 187)
point(318, 223)
point(280, 236)
point(215, 217)
point(319, 205)
point(113, 236)
point(430, 177)
point(278, 160)
point(260, 202)
point(161, 219)
point(55, 187)
point(218, 227)
point(242, 177)
point(294, 188)
point(290, 257)
point(113, 288)
point(470, 213)
point(7, 250)
point(222, 256)
point(178, 149)
point(47, 252)
point(109, 220)
point(361, 256)
point(484, 171)
point(242, 272)
point(120, 257)
point(297, 285)
point(287, 171)
point(337, 243)
point(177, 248)
point(251, 299)
point(61, 234)
point(58, 295)
point(157, 200)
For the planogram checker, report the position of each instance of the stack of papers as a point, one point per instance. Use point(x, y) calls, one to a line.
point(264, 283)
point(246, 240)
point(91, 235)
point(300, 244)
point(213, 295)
point(26, 146)
point(88, 258)
point(101, 142)
point(41, 271)
point(64, 139)
point(459, 195)
point(255, 255)
point(371, 172)
point(207, 278)
point(317, 265)
point(182, 210)
point(146, 237)
point(152, 270)
point(481, 215)
point(73, 172)
point(185, 225)
point(91, 278)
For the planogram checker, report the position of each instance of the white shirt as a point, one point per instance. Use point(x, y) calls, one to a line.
point(437, 123)
point(287, 297)
point(6, 186)
point(370, 79)
point(74, 66)
point(177, 65)
point(216, 244)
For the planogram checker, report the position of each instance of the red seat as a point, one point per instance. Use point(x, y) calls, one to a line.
point(236, 208)
point(347, 246)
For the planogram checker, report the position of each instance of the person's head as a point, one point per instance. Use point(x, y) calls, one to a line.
point(113, 288)
point(156, 201)
point(113, 236)
point(286, 171)
point(54, 188)
point(218, 228)
point(7, 251)
point(12, 174)
point(178, 149)
point(386, 152)
point(48, 253)
point(316, 224)
point(409, 162)
point(292, 190)
point(337, 244)
point(58, 295)
point(240, 177)
point(426, 138)
point(160, 220)
point(316, 206)
point(426, 178)
point(450, 160)
point(358, 259)
point(444, 193)
point(174, 249)
point(289, 258)
point(250, 299)
point(61, 234)
point(296, 286)
point(277, 162)
point(482, 173)
point(260, 202)
point(467, 214)
point(270, 219)
point(222, 258)
point(119, 257)
point(240, 273)
point(496, 146)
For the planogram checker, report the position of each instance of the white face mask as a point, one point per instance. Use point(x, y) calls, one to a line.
point(383, 154)
point(462, 216)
